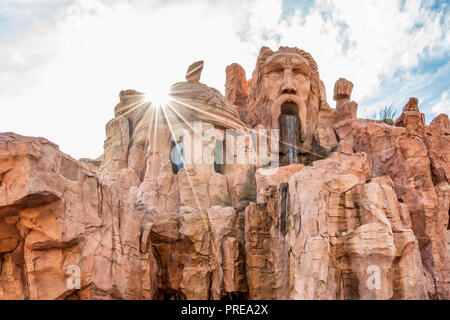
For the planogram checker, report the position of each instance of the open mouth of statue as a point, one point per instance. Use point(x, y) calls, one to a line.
point(290, 133)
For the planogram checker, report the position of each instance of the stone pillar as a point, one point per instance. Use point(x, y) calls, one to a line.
point(342, 93)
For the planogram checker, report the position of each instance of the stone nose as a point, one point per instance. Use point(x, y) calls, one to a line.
point(288, 86)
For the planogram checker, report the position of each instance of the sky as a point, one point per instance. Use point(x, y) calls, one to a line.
point(64, 62)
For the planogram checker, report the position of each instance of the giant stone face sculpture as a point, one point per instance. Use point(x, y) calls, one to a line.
point(285, 82)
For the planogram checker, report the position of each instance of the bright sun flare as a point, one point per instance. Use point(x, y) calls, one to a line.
point(158, 99)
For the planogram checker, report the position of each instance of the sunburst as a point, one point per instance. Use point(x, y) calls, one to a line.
point(164, 103)
point(157, 99)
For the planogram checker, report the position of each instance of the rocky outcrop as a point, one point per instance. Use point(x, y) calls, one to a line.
point(342, 92)
point(347, 227)
point(438, 141)
point(403, 153)
point(194, 71)
point(236, 89)
point(57, 219)
point(345, 108)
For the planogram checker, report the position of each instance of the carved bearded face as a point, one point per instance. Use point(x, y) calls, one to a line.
point(285, 82)
point(286, 74)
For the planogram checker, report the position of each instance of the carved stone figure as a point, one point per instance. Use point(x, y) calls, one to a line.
point(285, 82)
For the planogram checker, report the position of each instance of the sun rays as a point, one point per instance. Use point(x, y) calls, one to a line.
point(157, 99)
point(172, 107)
point(168, 112)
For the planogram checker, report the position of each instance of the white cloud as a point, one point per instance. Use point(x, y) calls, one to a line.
point(61, 77)
point(61, 80)
point(379, 36)
point(427, 87)
point(443, 105)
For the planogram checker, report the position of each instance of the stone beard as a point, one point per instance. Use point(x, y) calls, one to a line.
point(285, 82)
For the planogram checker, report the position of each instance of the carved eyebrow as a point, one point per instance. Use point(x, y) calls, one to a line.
point(273, 66)
point(302, 66)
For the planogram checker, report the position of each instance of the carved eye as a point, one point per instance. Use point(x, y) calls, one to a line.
point(299, 71)
point(274, 71)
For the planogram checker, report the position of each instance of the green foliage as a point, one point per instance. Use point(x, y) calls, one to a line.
point(386, 114)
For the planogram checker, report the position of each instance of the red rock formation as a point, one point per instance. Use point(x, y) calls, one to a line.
point(438, 142)
point(342, 92)
point(345, 109)
point(54, 214)
point(194, 72)
point(404, 155)
point(344, 225)
point(236, 89)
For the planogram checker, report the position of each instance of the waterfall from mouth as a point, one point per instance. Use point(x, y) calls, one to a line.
point(289, 139)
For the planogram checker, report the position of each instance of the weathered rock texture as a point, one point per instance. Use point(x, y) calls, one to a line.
point(55, 214)
point(416, 162)
point(362, 212)
point(236, 88)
